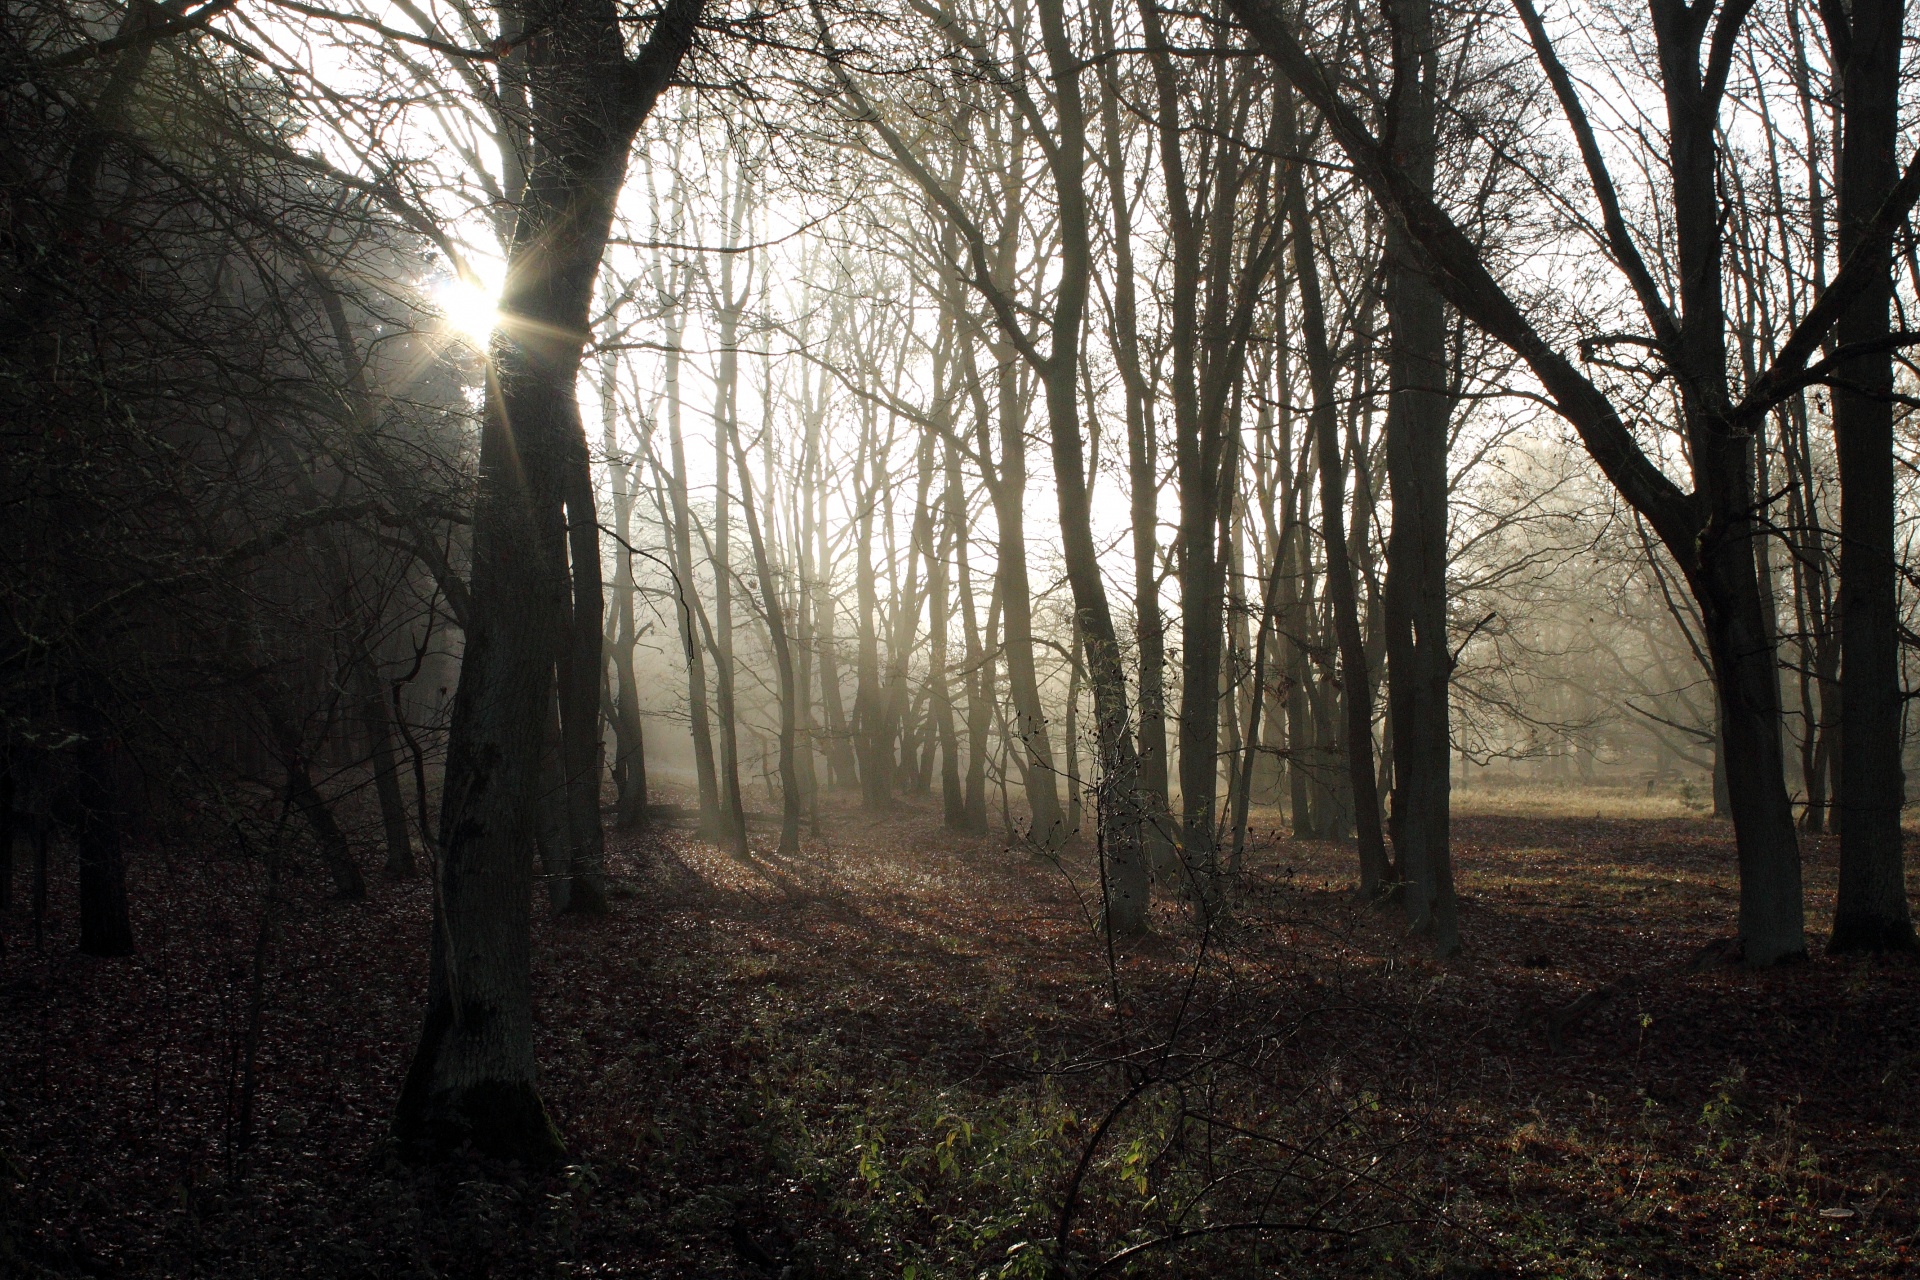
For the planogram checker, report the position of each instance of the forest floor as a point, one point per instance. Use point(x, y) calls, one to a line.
point(901, 1053)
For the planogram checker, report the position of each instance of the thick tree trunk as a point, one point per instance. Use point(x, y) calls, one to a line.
point(581, 670)
point(1420, 661)
point(1197, 466)
point(1038, 773)
point(473, 1077)
point(1771, 912)
point(553, 840)
point(1870, 912)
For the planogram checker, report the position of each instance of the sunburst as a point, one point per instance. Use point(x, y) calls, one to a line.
point(470, 309)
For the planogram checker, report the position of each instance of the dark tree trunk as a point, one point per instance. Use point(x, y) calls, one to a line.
point(289, 745)
point(1871, 911)
point(981, 646)
point(1419, 663)
point(782, 655)
point(1355, 686)
point(6, 834)
point(581, 671)
point(876, 786)
point(1126, 882)
point(472, 1078)
point(953, 799)
point(706, 774)
point(732, 828)
point(630, 751)
point(1143, 489)
point(726, 410)
point(553, 841)
point(105, 928)
point(377, 716)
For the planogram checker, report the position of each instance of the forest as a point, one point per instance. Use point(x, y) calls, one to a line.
point(989, 639)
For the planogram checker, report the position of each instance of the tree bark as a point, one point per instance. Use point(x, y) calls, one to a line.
point(106, 930)
point(1358, 695)
point(732, 830)
point(1420, 407)
point(472, 1078)
point(1126, 881)
point(1143, 489)
point(782, 656)
point(377, 718)
point(706, 773)
point(1870, 912)
point(630, 750)
point(953, 798)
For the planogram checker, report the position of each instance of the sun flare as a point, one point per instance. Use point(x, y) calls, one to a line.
point(470, 309)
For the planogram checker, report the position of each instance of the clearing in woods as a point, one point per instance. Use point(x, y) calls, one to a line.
point(906, 1053)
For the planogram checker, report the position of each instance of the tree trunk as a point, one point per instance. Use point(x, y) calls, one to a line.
point(1420, 661)
point(706, 775)
point(1143, 488)
point(553, 840)
point(473, 1077)
point(580, 671)
point(630, 749)
point(6, 833)
point(782, 656)
point(981, 680)
point(1126, 882)
point(291, 749)
point(1870, 911)
point(105, 928)
point(1038, 774)
point(869, 734)
point(377, 717)
point(732, 830)
point(1358, 696)
point(953, 799)
point(841, 762)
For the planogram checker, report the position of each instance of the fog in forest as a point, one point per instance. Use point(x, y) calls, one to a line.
point(952, 638)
